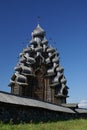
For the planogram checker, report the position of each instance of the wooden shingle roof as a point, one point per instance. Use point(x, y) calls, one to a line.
point(16, 100)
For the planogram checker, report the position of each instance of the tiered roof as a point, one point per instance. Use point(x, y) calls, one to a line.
point(38, 52)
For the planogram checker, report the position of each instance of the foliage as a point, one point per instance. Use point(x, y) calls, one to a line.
point(77, 124)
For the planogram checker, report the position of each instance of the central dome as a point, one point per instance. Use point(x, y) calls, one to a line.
point(38, 31)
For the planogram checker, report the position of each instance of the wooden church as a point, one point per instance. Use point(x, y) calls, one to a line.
point(38, 74)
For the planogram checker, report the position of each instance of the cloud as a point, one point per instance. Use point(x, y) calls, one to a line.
point(83, 104)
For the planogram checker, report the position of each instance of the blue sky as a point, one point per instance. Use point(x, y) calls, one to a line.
point(65, 22)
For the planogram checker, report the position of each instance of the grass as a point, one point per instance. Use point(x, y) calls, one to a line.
point(77, 124)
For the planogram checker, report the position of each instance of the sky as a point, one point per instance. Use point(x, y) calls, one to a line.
point(65, 22)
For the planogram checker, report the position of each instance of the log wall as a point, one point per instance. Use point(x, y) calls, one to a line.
point(19, 114)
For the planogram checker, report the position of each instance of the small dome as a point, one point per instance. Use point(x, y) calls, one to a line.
point(63, 80)
point(38, 49)
point(50, 49)
point(59, 69)
point(55, 79)
point(45, 42)
point(48, 60)
point(38, 31)
point(50, 71)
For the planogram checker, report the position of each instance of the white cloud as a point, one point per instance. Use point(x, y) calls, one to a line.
point(83, 104)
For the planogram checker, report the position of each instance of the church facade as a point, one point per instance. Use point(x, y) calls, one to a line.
point(38, 74)
point(38, 86)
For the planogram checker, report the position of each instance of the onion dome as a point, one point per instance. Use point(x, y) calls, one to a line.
point(50, 71)
point(38, 31)
point(50, 54)
point(55, 53)
point(38, 49)
point(18, 79)
point(22, 59)
point(48, 60)
point(63, 80)
point(62, 88)
point(50, 49)
point(59, 74)
point(55, 65)
point(55, 59)
point(31, 60)
point(55, 79)
point(59, 69)
point(32, 47)
point(33, 41)
point(27, 50)
point(45, 42)
point(21, 54)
